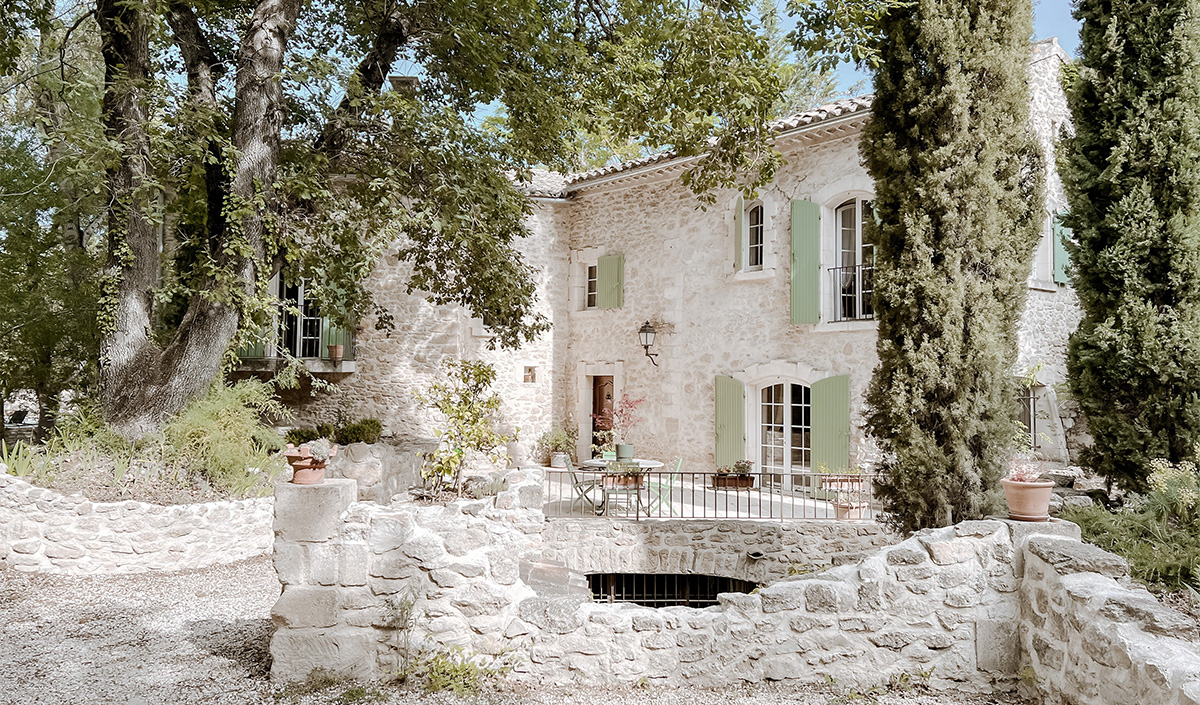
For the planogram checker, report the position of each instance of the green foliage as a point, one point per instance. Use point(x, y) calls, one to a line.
point(1131, 172)
point(1158, 532)
point(842, 30)
point(459, 671)
point(222, 434)
point(361, 431)
point(23, 461)
point(556, 440)
point(468, 411)
point(958, 203)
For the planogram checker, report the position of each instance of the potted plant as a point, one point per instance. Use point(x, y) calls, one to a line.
point(736, 476)
point(615, 425)
point(556, 446)
point(850, 504)
point(847, 480)
point(1027, 495)
point(622, 474)
point(309, 460)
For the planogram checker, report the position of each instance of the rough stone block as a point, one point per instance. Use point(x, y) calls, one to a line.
point(559, 615)
point(305, 606)
point(462, 542)
point(1070, 556)
point(390, 532)
point(978, 529)
point(997, 645)
point(906, 556)
point(1144, 609)
point(312, 512)
point(951, 551)
point(480, 599)
point(347, 652)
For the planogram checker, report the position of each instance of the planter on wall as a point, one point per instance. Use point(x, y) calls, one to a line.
point(849, 510)
point(732, 481)
point(1028, 501)
point(336, 353)
point(558, 460)
point(306, 470)
point(621, 480)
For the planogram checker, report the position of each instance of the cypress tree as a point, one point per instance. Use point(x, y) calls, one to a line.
point(958, 189)
point(1132, 178)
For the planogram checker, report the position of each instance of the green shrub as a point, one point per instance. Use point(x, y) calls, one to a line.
point(221, 434)
point(299, 436)
point(458, 671)
point(556, 440)
point(361, 431)
point(1158, 532)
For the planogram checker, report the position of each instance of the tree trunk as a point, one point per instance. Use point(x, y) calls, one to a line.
point(141, 385)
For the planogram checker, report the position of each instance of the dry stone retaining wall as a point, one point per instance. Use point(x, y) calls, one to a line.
point(44, 531)
point(1091, 638)
point(710, 547)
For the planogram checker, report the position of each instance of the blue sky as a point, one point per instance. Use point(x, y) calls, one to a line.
point(1051, 18)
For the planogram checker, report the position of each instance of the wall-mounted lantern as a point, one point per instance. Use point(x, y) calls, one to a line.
point(646, 336)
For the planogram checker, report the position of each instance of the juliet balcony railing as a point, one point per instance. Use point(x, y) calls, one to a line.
point(853, 289)
point(313, 339)
point(661, 494)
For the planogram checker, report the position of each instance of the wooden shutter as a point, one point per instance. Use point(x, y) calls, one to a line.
point(831, 424)
point(730, 397)
point(739, 228)
point(1061, 258)
point(610, 281)
point(806, 262)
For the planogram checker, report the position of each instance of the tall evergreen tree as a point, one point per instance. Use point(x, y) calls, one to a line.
point(1132, 178)
point(958, 186)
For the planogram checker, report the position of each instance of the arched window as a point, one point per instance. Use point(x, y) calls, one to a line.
point(853, 276)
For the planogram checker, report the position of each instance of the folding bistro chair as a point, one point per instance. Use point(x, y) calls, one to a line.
point(582, 487)
point(660, 491)
point(628, 496)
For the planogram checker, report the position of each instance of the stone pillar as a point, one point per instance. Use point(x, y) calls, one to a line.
point(313, 562)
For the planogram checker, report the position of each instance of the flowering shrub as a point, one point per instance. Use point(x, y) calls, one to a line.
point(614, 427)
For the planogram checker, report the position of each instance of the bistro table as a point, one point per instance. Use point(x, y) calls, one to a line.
point(631, 491)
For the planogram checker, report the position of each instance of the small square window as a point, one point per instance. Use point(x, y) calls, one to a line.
point(591, 286)
point(530, 375)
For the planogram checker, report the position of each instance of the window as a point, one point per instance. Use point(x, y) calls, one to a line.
point(592, 278)
point(530, 375)
point(853, 279)
point(785, 429)
point(755, 228)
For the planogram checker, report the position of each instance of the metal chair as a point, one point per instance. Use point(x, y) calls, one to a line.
point(581, 487)
point(628, 496)
point(659, 492)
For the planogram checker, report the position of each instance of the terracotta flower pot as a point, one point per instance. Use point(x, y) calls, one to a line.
point(306, 470)
point(1028, 501)
point(849, 510)
point(336, 352)
point(621, 480)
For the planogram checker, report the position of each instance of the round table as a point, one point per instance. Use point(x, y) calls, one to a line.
point(642, 463)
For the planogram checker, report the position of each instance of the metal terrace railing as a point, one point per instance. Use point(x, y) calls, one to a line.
point(661, 494)
point(853, 292)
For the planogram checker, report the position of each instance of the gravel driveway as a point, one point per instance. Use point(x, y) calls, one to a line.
point(201, 637)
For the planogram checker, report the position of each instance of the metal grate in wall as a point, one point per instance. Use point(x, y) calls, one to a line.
point(663, 590)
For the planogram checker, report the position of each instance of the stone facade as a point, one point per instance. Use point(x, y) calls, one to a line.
point(679, 274)
point(47, 532)
point(982, 604)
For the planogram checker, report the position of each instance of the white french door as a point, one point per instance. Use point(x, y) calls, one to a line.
point(785, 431)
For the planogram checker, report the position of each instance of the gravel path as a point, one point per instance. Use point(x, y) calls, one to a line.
point(201, 637)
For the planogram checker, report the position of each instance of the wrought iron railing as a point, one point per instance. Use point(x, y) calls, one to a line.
point(661, 494)
point(853, 292)
point(311, 340)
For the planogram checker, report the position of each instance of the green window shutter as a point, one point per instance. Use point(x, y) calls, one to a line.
point(806, 262)
point(831, 424)
point(255, 349)
point(1061, 259)
point(731, 420)
point(739, 227)
point(610, 281)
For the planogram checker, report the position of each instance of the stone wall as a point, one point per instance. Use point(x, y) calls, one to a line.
point(381, 469)
point(44, 531)
point(1090, 638)
point(981, 604)
point(709, 547)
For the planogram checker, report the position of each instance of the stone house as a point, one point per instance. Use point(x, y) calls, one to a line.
point(765, 339)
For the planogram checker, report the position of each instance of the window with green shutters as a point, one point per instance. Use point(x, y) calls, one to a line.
point(806, 262)
point(332, 334)
point(1061, 259)
point(730, 395)
point(610, 281)
point(831, 424)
